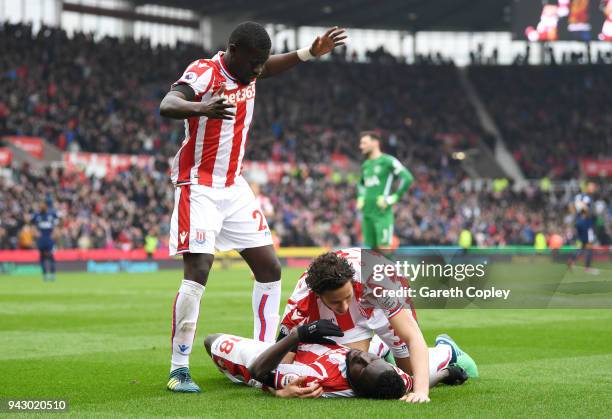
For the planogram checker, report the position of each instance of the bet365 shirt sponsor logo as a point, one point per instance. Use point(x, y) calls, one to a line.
point(240, 94)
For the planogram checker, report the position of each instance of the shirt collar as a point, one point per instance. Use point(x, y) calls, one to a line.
point(219, 58)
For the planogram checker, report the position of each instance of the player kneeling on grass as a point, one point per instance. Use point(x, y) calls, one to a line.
point(333, 288)
point(306, 364)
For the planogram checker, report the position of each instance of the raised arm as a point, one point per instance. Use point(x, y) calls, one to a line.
point(322, 45)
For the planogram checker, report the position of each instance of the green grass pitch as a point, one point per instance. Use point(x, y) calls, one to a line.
point(103, 343)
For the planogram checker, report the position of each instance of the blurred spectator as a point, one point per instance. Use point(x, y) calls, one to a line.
point(150, 242)
point(94, 213)
point(103, 96)
point(26, 236)
point(550, 117)
point(312, 205)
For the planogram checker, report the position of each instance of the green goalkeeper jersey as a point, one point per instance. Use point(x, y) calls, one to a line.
point(377, 179)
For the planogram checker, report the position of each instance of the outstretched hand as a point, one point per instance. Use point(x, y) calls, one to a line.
point(332, 38)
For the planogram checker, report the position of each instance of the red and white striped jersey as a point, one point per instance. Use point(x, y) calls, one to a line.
point(326, 365)
point(323, 364)
point(304, 306)
point(212, 151)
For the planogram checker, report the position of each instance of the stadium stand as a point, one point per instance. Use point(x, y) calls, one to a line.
point(125, 80)
point(102, 96)
point(311, 207)
point(550, 116)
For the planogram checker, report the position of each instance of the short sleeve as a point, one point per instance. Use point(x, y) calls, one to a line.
point(296, 310)
point(198, 76)
point(408, 381)
point(386, 291)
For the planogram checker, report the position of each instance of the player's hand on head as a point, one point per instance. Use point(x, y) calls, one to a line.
point(332, 38)
point(298, 388)
point(416, 397)
point(315, 332)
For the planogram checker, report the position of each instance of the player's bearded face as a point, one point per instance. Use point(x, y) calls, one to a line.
point(338, 300)
point(366, 145)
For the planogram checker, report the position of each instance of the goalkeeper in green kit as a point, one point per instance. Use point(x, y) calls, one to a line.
point(375, 196)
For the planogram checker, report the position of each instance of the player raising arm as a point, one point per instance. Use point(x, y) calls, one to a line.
point(214, 207)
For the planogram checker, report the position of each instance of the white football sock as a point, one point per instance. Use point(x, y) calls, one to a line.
point(184, 322)
point(266, 302)
point(439, 358)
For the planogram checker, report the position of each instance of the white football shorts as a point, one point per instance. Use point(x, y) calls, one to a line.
point(206, 218)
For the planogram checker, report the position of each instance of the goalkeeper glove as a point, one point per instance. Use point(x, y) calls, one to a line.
point(360, 202)
point(315, 332)
point(384, 202)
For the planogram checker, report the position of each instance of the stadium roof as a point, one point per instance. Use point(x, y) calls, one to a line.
point(412, 15)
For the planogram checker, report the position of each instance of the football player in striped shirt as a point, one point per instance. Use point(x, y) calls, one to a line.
point(307, 364)
point(214, 207)
point(333, 289)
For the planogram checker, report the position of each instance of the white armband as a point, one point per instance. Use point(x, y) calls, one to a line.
point(304, 54)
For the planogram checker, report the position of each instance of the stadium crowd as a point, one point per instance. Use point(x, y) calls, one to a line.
point(43, 76)
point(103, 96)
point(550, 116)
point(310, 206)
point(93, 212)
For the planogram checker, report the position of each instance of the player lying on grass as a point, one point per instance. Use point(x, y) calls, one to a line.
point(332, 289)
point(305, 364)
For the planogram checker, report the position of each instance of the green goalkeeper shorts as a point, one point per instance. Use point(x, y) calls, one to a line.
point(377, 230)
